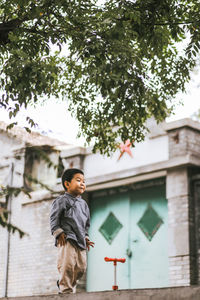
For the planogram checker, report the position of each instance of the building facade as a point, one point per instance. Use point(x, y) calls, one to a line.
point(144, 208)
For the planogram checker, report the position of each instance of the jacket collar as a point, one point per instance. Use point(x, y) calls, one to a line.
point(73, 197)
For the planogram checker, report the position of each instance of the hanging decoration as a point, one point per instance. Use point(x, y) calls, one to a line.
point(125, 148)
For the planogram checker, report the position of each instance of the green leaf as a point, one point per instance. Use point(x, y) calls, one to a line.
point(118, 64)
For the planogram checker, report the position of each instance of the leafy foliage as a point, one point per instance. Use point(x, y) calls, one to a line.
point(8, 192)
point(4, 223)
point(118, 63)
point(4, 212)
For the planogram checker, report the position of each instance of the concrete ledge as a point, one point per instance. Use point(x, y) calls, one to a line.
point(133, 175)
point(173, 293)
point(73, 151)
point(186, 122)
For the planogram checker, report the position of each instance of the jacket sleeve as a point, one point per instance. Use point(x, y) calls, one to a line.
point(56, 211)
point(87, 224)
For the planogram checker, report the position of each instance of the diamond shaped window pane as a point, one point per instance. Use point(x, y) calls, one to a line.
point(150, 222)
point(110, 228)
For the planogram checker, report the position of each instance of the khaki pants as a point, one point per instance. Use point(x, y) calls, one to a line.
point(71, 264)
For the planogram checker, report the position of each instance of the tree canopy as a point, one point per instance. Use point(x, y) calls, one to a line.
point(117, 63)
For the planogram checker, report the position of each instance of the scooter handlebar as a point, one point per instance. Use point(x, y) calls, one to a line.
point(122, 260)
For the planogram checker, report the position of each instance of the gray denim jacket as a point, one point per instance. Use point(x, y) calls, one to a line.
point(70, 215)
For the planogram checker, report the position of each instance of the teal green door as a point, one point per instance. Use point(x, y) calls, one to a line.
point(109, 230)
point(131, 225)
point(148, 242)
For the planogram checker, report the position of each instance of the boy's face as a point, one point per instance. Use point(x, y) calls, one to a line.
point(76, 186)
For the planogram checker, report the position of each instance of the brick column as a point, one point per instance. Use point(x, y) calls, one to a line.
point(73, 157)
point(184, 140)
point(178, 216)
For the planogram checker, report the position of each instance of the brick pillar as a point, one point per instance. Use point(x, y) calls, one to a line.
point(184, 140)
point(195, 226)
point(73, 157)
point(40, 166)
point(178, 216)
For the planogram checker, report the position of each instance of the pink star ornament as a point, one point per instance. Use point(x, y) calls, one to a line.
point(125, 148)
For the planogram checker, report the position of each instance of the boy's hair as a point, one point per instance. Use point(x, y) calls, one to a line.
point(69, 174)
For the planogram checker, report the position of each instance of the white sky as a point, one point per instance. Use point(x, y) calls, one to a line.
point(54, 120)
point(190, 100)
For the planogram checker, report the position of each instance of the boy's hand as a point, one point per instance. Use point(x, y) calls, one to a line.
point(61, 239)
point(89, 244)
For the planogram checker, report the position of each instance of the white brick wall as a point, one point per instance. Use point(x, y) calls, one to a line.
point(3, 242)
point(179, 270)
point(32, 263)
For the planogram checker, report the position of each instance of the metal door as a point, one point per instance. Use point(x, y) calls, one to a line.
point(131, 225)
point(148, 242)
point(109, 230)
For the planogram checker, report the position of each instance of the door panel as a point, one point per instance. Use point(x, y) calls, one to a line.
point(106, 212)
point(149, 246)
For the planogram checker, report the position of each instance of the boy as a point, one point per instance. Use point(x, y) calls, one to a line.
point(70, 221)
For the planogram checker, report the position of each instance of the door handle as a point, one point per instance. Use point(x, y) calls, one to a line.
point(129, 253)
point(135, 241)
